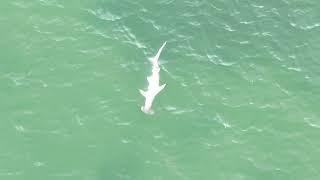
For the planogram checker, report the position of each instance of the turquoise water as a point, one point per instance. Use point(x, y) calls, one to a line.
point(241, 101)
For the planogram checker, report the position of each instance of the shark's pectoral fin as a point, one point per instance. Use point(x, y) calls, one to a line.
point(161, 88)
point(143, 93)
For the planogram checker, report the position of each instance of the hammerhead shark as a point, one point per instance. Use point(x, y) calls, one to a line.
point(153, 83)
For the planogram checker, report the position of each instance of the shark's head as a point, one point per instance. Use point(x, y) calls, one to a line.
point(149, 97)
point(147, 110)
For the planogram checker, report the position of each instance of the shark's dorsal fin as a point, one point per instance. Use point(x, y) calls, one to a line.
point(143, 93)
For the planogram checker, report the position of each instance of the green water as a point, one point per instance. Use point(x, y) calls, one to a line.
point(241, 102)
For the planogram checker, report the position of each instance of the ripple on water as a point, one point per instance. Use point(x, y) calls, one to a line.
point(175, 110)
point(54, 3)
point(104, 15)
point(24, 79)
point(312, 122)
point(23, 4)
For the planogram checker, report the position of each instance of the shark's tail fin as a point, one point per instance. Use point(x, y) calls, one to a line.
point(156, 57)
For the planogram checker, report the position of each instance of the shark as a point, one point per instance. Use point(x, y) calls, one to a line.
point(154, 86)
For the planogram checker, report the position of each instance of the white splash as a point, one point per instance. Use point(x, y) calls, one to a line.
point(153, 83)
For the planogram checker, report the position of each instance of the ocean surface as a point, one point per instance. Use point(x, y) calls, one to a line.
point(242, 100)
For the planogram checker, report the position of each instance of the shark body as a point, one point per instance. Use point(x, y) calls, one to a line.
point(154, 86)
